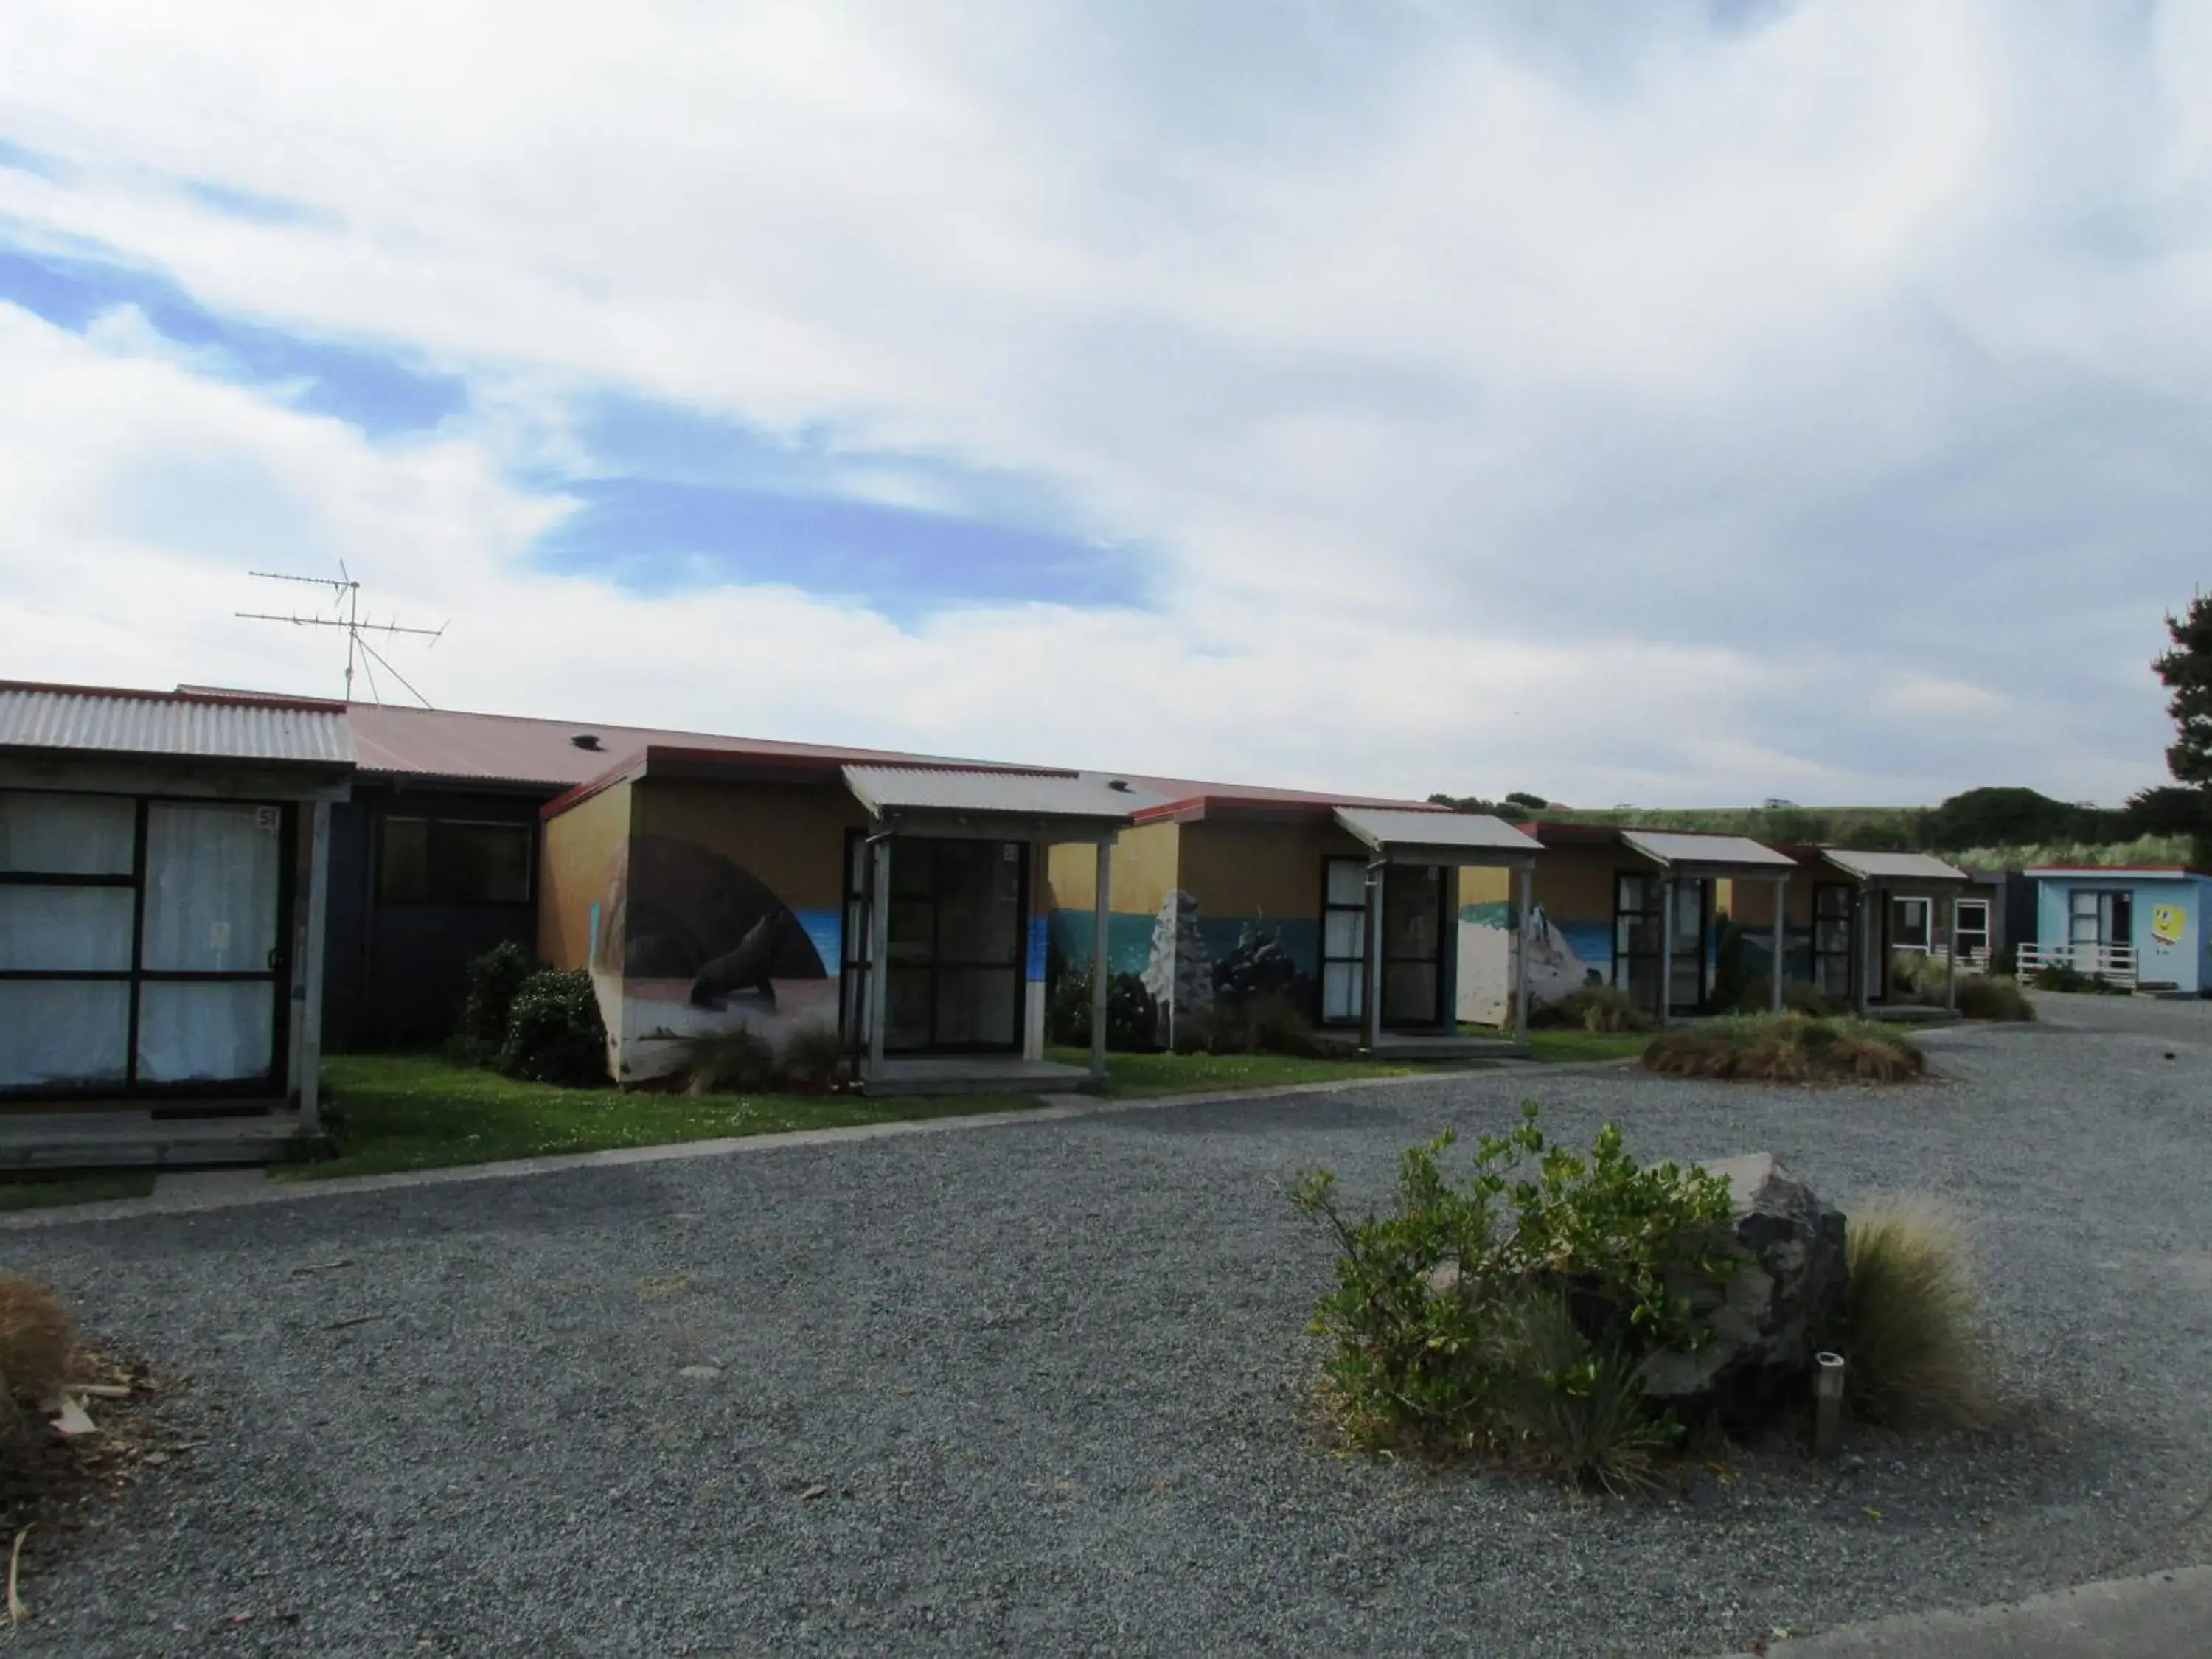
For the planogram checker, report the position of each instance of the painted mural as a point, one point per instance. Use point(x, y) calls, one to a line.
point(1563, 957)
point(697, 945)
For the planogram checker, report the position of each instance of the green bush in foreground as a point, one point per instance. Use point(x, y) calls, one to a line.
point(1911, 1333)
point(492, 979)
point(1993, 996)
point(554, 1033)
point(1787, 1048)
point(1508, 1314)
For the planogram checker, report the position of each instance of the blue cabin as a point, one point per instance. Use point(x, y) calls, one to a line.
point(2148, 926)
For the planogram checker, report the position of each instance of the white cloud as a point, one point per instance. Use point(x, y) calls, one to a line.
point(1663, 414)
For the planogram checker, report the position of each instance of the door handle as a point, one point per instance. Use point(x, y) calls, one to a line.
point(273, 959)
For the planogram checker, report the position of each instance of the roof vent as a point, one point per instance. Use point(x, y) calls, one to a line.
point(1122, 784)
point(586, 740)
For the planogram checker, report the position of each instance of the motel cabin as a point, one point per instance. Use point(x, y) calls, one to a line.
point(1223, 894)
point(2143, 927)
point(1848, 911)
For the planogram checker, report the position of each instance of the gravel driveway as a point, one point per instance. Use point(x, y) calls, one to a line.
point(1043, 1389)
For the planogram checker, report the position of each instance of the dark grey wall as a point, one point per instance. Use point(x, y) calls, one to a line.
point(393, 972)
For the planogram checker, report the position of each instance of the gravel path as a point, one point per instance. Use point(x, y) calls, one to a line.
point(1043, 1389)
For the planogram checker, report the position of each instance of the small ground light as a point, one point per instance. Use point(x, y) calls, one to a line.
point(1827, 1403)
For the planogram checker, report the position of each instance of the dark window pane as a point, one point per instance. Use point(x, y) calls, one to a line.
point(406, 875)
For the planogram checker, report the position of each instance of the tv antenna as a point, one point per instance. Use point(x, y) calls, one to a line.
point(345, 594)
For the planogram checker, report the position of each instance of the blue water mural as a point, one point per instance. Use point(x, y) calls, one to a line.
point(1128, 940)
point(1039, 935)
point(826, 929)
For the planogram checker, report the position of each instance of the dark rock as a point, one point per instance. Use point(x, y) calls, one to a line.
point(1767, 1317)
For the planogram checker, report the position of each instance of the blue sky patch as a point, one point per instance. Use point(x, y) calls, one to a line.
point(656, 536)
point(380, 392)
point(253, 204)
point(29, 160)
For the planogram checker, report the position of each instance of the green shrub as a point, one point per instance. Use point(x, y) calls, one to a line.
point(1269, 1023)
point(2065, 976)
point(554, 1033)
point(1509, 1314)
point(1132, 1014)
point(1911, 1333)
point(813, 1055)
point(1988, 996)
point(738, 1060)
point(493, 980)
point(1787, 1048)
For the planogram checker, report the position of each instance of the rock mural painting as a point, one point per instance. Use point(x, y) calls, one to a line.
point(702, 947)
point(1179, 974)
point(1561, 960)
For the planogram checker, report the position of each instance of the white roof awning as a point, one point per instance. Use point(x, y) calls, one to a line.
point(1893, 867)
point(1407, 835)
point(942, 799)
point(1697, 853)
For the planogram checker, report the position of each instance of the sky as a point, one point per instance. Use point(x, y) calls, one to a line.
point(1684, 404)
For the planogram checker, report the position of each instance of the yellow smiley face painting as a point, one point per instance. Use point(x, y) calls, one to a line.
point(2166, 923)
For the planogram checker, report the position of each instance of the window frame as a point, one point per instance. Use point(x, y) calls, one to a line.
point(1357, 963)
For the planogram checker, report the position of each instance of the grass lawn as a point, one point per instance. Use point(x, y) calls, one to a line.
point(1135, 1075)
point(424, 1111)
point(42, 1192)
point(1563, 1043)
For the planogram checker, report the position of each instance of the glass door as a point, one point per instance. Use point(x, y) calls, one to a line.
point(954, 955)
point(1693, 898)
point(210, 954)
point(1637, 919)
point(1413, 945)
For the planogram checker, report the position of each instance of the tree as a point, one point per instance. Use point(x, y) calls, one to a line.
point(1523, 798)
point(2187, 671)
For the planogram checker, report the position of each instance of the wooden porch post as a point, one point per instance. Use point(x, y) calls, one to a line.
point(311, 1013)
point(1951, 952)
point(1371, 1013)
point(1862, 933)
point(1666, 997)
point(1522, 910)
point(1100, 964)
point(1781, 937)
point(879, 948)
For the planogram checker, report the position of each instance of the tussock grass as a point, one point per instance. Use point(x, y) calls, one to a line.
point(38, 1341)
point(1565, 1408)
point(814, 1054)
point(729, 1060)
point(1993, 996)
point(1789, 1047)
point(1912, 1330)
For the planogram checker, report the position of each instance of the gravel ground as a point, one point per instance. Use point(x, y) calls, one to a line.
point(1045, 1389)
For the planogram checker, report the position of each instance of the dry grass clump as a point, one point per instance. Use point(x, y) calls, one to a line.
point(1788, 1048)
point(1912, 1328)
point(1994, 996)
point(38, 1341)
point(1269, 1023)
point(1597, 1007)
point(814, 1055)
point(738, 1061)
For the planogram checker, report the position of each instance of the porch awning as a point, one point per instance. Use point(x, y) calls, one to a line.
point(1683, 853)
point(947, 800)
point(1408, 835)
point(1887, 868)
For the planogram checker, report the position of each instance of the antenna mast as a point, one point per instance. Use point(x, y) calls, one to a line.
point(345, 593)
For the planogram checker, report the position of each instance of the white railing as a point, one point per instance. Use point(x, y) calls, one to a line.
point(2115, 962)
point(1974, 959)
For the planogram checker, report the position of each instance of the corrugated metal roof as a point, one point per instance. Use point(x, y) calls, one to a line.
point(1893, 867)
point(885, 789)
point(95, 720)
point(1382, 828)
point(1670, 847)
point(517, 748)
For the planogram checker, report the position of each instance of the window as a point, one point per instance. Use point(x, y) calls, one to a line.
point(142, 942)
point(1970, 929)
point(455, 861)
point(1343, 941)
point(1912, 925)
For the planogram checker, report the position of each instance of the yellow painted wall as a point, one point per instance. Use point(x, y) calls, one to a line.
point(580, 857)
point(1754, 905)
point(1576, 884)
point(1143, 872)
point(1485, 884)
point(791, 835)
point(1252, 867)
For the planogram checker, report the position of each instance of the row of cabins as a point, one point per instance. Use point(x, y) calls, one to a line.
point(199, 888)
